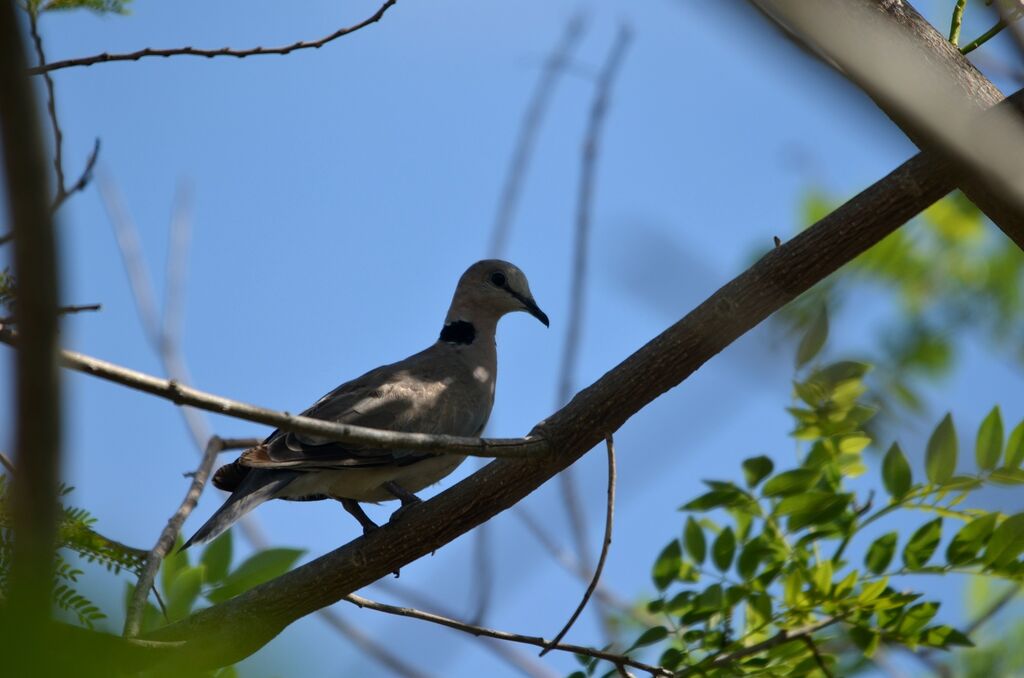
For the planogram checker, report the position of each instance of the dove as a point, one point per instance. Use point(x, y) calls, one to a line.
point(447, 388)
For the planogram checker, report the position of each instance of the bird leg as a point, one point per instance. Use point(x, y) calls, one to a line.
point(405, 496)
point(353, 507)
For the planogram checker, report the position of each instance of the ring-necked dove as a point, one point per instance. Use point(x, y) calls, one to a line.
point(448, 388)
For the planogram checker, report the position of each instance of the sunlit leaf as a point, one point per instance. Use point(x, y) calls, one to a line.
point(989, 446)
point(940, 457)
point(755, 469)
point(723, 549)
point(1015, 447)
point(693, 536)
point(791, 482)
point(1007, 542)
point(896, 473)
point(922, 544)
point(666, 567)
point(880, 553)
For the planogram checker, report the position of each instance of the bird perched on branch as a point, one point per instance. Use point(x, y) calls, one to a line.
point(445, 389)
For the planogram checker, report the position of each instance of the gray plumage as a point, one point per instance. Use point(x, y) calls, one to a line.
point(447, 388)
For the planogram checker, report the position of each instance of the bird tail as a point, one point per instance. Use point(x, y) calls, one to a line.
point(257, 488)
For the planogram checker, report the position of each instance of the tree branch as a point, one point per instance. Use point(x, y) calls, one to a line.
point(133, 618)
point(37, 417)
point(377, 438)
point(210, 53)
point(606, 544)
point(234, 629)
point(505, 635)
point(959, 75)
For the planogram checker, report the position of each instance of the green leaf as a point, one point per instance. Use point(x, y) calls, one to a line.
point(922, 544)
point(791, 482)
point(649, 637)
point(989, 446)
point(756, 469)
point(896, 472)
point(865, 639)
point(693, 536)
point(968, 541)
point(183, 592)
point(723, 549)
point(258, 568)
point(1015, 447)
point(813, 507)
point(1007, 542)
point(814, 338)
point(822, 576)
point(916, 618)
point(217, 558)
point(666, 567)
point(713, 499)
point(940, 457)
point(880, 553)
point(944, 637)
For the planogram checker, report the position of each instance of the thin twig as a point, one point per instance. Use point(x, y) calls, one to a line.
point(571, 349)
point(525, 663)
point(1003, 22)
point(51, 102)
point(63, 193)
point(554, 66)
point(133, 617)
point(608, 520)
point(818, 659)
point(210, 53)
point(61, 310)
point(370, 646)
point(956, 22)
point(571, 564)
point(6, 462)
point(531, 446)
point(504, 635)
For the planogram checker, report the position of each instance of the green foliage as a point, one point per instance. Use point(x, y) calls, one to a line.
point(763, 565)
point(184, 583)
point(948, 275)
point(98, 6)
point(75, 533)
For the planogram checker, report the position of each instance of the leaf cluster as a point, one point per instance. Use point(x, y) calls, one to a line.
point(759, 562)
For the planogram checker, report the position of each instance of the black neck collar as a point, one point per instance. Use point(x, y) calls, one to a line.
point(458, 332)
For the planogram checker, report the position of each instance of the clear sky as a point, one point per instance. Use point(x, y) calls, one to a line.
point(339, 193)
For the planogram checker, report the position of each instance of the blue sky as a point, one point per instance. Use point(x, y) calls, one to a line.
point(339, 193)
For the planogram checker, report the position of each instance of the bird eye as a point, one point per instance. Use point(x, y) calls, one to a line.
point(498, 279)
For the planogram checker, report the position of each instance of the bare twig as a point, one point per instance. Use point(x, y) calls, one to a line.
point(995, 608)
point(51, 102)
point(531, 446)
point(61, 310)
point(63, 193)
point(37, 403)
point(504, 635)
point(571, 349)
point(133, 617)
point(525, 663)
point(554, 66)
point(571, 564)
point(210, 53)
point(370, 646)
point(609, 519)
point(818, 659)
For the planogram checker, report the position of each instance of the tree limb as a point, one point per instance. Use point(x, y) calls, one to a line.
point(210, 53)
point(232, 630)
point(412, 613)
point(37, 420)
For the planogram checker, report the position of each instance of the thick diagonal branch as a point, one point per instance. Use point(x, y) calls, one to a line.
point(233, 630)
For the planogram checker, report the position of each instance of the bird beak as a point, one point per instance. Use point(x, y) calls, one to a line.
point(533, 309)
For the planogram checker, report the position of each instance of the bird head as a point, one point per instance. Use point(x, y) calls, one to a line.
point(490, 289)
